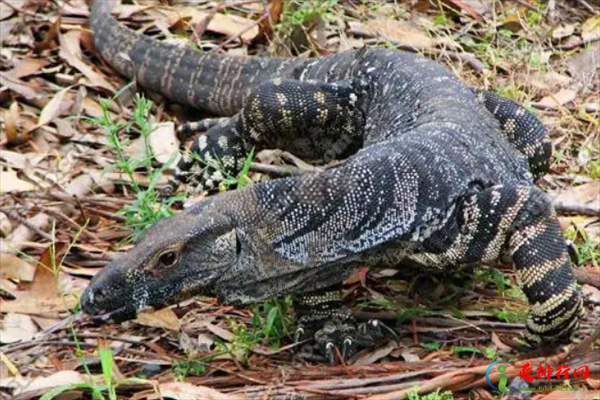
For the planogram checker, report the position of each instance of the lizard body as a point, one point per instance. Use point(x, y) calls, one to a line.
point(434, 172)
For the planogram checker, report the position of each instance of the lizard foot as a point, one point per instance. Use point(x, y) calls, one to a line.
point(344, 338)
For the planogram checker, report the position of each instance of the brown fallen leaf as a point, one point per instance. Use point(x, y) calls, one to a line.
point(187, 391)
point(54, 108)
point(562, 97)
point(225, 24)
point(27, 66)
point(584, 66)
point(164, 142)
point(11, 128)
point(70, 51)
point(404, 32)
point(164, 318)
point(590, 29)
point(17, 328)
point(13, 267)
point(372, 356)
point(21, 386)
point(49, 38)
point(9, 182)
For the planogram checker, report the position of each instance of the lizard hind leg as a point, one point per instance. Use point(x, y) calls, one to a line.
point(521, 220)
point(523, 129)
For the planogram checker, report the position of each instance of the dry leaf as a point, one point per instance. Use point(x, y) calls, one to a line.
point(590, 29)
point(164, 318)
point(70, 51)
point(584, 66)
point(49, 38)
point(26, 385)
point(187, 391)
point(17, 328)
point(20, 87)
point(164, 142)
point(372, 356)
point(587, 193)
point(11, 124)
point(5, 226)
point(13, 267)
point(54, 108)
point(562, 97)
point(225, 24)
point(563, 31)
point(405, 33)
point(9, 182)
point(28, 66)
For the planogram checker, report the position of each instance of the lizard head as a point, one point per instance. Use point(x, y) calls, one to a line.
point(179, 257)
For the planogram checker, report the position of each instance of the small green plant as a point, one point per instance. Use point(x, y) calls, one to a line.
point(193, 365)
point(510, 315)
point(270, 325)
point(409, 313)
point(437, 395)
point(147, 207)
point(432, 346)
point(588, 249)
point(300, 14)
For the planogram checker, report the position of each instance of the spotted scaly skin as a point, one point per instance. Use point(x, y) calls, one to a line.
point(434, 172)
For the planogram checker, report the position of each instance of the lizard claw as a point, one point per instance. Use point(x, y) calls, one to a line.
point(330, 352)
point(300, 334)
point(348, 347)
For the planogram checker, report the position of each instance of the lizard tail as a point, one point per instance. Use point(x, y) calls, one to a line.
point(209, 81)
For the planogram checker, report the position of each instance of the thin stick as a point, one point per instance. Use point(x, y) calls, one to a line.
point(16, 217)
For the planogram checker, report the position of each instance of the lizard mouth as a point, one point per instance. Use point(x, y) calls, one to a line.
point(118, 315)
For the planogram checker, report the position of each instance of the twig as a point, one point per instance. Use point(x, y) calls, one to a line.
point(577, 207)
point(588, 6)
point(587, 277)
point(16, 217)
point(551, 11)
point(553, 107)
point(570, 46)
point(281, 171)
point(530, 6)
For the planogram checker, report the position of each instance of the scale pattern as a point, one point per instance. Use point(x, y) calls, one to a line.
point(434, 173)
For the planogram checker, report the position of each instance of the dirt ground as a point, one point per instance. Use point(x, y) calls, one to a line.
point(81, 159)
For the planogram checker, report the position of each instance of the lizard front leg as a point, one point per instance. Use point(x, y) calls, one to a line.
point(312, 120)
point(322, 316)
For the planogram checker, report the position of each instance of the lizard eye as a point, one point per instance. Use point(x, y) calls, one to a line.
point(168, 258)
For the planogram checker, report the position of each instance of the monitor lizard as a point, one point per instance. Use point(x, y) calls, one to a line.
point(432, 172)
